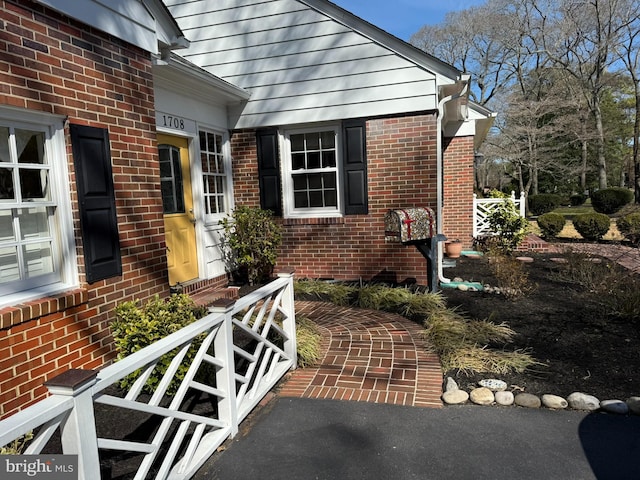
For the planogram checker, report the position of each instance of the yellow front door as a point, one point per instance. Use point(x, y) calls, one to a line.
point(177, 200)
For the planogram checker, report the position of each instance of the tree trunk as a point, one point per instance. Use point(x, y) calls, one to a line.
point(583, 170)
point(602, 161)
point(636, 147)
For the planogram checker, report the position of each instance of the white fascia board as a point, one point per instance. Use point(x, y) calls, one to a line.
point(385, 39)
point(180, 75)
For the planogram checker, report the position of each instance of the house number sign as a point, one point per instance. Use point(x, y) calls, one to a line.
point(168, 121)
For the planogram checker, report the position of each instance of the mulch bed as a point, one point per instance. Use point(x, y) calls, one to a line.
point(582, 345)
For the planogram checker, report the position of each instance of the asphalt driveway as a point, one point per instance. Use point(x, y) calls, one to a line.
point(293, 438)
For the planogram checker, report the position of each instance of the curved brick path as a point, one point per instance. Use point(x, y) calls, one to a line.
point(370, 356)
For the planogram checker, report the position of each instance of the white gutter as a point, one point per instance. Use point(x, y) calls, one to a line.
point(463, 80)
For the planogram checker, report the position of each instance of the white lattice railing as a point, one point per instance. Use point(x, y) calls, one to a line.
point(482, 208)
point(246, 346)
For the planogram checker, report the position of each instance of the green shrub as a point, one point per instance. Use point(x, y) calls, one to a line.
point(577, 199)
point(250, 241)
point(629, 226)
point(507, 225)
point(610, 200)
point(137, 326)
point(551, 224)
point(592, 226)
point(543, 203)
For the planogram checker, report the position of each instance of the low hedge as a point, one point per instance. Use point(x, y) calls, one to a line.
point(592, 226)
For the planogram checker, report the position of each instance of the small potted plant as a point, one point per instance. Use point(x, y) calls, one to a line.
point(453, 248)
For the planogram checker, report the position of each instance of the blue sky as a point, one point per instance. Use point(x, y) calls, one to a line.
point(403, 18)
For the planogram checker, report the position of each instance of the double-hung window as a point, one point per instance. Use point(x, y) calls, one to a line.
point(35, 229)
point(216, 170)
point(312, 179)
point(314, 172)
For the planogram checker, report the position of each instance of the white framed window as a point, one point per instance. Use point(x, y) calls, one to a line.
point(311, 172)
point(216, 174)
point(36, 236)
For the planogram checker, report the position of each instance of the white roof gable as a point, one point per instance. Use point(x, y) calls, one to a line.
point(144, 23)
point(307, 61)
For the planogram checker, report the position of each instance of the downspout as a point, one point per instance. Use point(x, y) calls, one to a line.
point(464, 80)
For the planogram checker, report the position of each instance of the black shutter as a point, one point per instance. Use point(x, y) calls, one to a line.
point(269, 170)
point(96, 198)
point(354, 167)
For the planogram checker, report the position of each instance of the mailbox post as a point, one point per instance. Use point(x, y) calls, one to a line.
point(416, 226)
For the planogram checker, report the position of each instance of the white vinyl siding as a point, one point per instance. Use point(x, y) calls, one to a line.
point(300, 64)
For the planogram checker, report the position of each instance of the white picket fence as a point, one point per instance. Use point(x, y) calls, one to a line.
point(482, 208)
point(249, 344)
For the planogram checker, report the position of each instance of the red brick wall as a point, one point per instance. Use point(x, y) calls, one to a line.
point(458, 189)
point(401, 156)
point(51, 64)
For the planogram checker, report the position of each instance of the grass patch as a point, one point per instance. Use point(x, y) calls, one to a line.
point(308, 338)
point(469, 346)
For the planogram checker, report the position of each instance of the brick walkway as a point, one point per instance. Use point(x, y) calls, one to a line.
point(370, 356)
point(626, 256)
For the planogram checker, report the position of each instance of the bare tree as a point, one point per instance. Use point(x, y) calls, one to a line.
point(474, 41)
point(580, 37)
point(628, 52)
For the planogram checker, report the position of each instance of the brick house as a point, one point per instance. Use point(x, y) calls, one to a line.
point(80, 210)
point(128, 132)
point(343, 122)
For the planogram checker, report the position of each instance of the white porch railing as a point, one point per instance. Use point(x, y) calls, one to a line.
point(482, 207)
point(248, 344)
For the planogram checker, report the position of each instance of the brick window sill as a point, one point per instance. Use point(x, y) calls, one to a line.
point(314, 221)
point(17, 314)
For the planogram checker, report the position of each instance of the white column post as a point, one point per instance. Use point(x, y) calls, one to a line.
point(475, 215)
point(226, 375)
point(79, 429)
point(289, 323)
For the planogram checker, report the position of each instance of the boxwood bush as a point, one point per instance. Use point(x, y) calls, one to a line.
point(139, 325)
point(543, 203)
point(610, 200)
point(577, 199)
point(551, 224)
point(592, 226)
point(629, 226)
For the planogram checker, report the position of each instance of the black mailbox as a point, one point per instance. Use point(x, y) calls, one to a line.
point(416, 226)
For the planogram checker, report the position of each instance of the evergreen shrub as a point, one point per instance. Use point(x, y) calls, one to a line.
point(543, 203)
point(577, 199)
point(610, 200)
point(592, 226)
point(551, 224)
point(629, 226)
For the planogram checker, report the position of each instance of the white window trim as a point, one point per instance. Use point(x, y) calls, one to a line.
point(64, 254)
point(210, 220)
point(287, 175)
